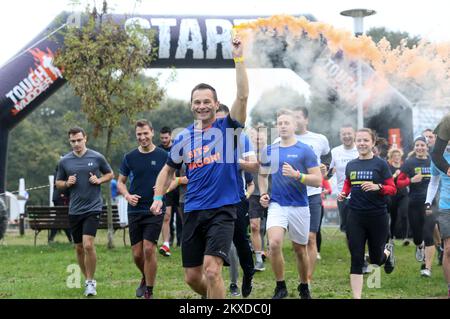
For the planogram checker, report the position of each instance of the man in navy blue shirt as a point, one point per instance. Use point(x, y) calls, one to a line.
point(293, 166)
point(206, 149)
point(142, 166)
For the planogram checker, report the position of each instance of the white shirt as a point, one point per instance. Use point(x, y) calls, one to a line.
point(339, 159)
point(320, 146)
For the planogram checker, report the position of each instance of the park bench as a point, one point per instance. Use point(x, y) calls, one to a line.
point(57, 217)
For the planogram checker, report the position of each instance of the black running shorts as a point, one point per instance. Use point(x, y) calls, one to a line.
point(207, 232)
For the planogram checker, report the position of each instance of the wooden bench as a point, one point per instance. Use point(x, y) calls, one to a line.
point(57, 217)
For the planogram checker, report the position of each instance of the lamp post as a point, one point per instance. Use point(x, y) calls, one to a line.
point(358, 26)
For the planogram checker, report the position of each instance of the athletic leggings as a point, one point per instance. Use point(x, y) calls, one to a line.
point(362, 228)
point(398, 207)
point(422, 225)
point(319, 233)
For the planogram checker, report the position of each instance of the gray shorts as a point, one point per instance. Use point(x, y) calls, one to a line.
point(444, 224)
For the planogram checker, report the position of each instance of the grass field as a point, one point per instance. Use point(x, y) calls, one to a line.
point(41, 272)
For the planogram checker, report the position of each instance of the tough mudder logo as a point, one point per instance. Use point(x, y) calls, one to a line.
point(38, 80)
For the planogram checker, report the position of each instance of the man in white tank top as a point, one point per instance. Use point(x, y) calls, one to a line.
point(340, 156)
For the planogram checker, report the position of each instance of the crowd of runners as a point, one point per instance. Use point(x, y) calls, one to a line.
point(221, 181)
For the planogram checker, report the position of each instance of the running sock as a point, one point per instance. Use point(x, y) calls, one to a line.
point(166, 243)
point(281, 284)
point(258, 255)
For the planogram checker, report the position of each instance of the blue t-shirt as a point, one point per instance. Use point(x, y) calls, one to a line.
point(375, 170)
point(244, 148)
point(113, 188)
point(211, 164)
point(411, 167)
point(287, 191)
point(444, 199)
point(142, 170)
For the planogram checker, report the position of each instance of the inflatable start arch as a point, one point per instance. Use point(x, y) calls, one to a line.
point(187, 41)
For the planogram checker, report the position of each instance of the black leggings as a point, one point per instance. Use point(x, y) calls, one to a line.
point(398, 209)
point(422, 225)
point(319, 233)
point(361, 228)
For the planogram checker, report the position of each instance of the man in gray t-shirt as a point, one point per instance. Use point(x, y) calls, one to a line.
point(81, 172)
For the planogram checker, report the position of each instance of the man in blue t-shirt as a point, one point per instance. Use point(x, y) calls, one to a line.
point(207, 150)
point(444, 210)
point(142, 165)
point(293, 166)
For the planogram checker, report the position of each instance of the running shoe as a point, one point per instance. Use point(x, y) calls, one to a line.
point(318, 256)
point(148, 294)
point(425, 272)
point(365, 269)
point(90, 288)
point(234, 290)
point(420, 253)
point(259, 266)
point(280, 293)
point(140, 291)
point(164, 250)
point(304, 292)
point(406, 242)
point(390, 261)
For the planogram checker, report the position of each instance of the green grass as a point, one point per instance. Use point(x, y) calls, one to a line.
point(41, 272)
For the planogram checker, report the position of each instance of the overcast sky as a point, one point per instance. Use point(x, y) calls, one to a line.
point(22, 20)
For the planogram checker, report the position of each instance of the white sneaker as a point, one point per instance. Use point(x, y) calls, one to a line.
point(318, 256)
point(90, 289)
point(420, 253)
point(425, 272)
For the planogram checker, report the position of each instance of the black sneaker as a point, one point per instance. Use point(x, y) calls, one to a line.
point(303, 290)
point(390, 261)
point(234, 290)
point(140, 291)
point(280, 293)
point(148, 294)
point(247, 286)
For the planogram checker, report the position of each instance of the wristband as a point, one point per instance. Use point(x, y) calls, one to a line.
point(178, 179)
point(157, 197)
point(239, 59)
point(302, 178)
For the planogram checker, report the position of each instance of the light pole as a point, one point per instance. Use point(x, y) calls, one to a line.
point(358, 26)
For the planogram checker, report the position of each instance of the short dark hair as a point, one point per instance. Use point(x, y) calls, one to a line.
point(427, 130)
point(302, 109)
point(75, 130)
point(142, 123)
point(223, 108)
point(165, 130)
point(347, 125)
point(204, 86)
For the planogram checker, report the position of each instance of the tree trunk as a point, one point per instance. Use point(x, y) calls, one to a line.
point(108, 192)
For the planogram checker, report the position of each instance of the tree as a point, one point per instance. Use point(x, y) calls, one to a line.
point(281, 97)
point(102, 63)
point(394, 38)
